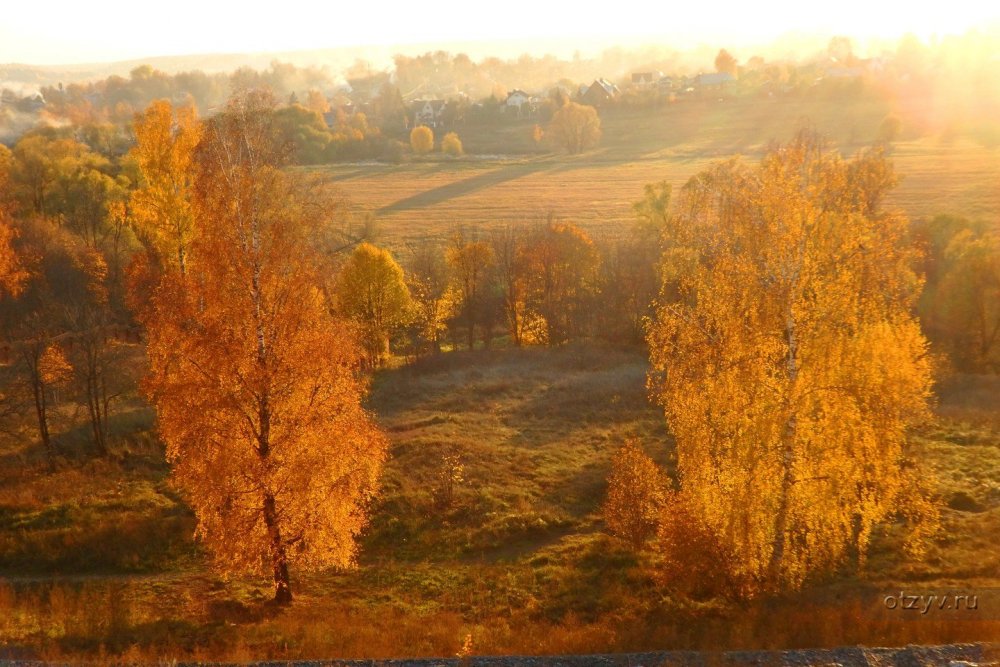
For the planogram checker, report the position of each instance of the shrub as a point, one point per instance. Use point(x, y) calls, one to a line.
point(448, 478)
point(537, 135)
point(636, 492)
point(691, 559)
point(451, 145)
point(422, 140)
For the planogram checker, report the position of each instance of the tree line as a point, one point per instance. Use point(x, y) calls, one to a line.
point(541, 283)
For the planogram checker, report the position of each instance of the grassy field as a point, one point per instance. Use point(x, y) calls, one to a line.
point(504, 178)
point(97, 557)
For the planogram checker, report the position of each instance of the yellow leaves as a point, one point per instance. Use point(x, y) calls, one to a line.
point(786, 358)
point(422, 139)
point(166, 139)
point(372, 292)
point(451, 145)
point(316, 101)
point(54, 369)
point(575, 127)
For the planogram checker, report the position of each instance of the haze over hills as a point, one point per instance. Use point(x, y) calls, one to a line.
point(689, 55)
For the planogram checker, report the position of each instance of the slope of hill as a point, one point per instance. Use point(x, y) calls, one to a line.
point(98, 559)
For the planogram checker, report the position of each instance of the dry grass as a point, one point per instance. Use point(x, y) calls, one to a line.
point(954, 174)
point(520, 562)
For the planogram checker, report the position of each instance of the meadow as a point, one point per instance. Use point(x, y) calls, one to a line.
point(504, 178)
point(99, 560)
point(488, 534)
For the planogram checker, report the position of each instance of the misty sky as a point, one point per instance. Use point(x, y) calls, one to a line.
point(81, 31)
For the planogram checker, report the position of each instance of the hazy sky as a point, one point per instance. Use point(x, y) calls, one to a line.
point(80, 31)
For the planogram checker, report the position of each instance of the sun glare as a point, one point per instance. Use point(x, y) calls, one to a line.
point(73, 32)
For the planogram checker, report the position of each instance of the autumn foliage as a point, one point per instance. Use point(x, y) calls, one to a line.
point(372, 292)
point(787, 359)
point(451, 145)
point(691, 559)
point(12, 272)
point(254, 381)
point(165, 141)
point(637, 491)
point(422, 139)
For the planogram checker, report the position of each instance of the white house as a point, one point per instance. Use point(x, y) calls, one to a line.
point(520, 103)
point(428, 112)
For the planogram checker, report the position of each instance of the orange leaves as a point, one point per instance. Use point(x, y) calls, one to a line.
point(12, 272)
point(637, 491)
point(254, 381)
point(53, 367)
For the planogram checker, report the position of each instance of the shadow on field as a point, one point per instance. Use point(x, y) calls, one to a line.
point(68, 541)
point(466, 186)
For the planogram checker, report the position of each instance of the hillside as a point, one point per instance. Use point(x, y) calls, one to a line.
point(98, 556)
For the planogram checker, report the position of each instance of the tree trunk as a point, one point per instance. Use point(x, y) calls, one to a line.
point(41, 411)
point(279, 559)
point(98, 417)
point(787, 457)
point(781, 515)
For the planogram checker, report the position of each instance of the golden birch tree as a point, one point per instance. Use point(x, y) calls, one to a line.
point(787, 360)
point(165, 142)
point(255, 382)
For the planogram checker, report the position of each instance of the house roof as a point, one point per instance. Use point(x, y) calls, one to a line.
point(517, 91)
point(435, 105)
point(609, 88)
point(714, 79)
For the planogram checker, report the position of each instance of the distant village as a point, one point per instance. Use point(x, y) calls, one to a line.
point(445, 107)
point(396, 101)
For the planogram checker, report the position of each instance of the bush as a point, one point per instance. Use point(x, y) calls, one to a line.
point(422, 140)
point(636, 493)
point(451, 145)
point(691, 559)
